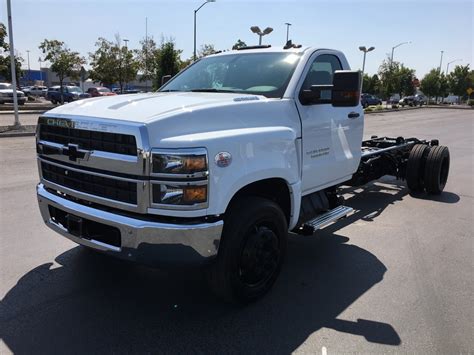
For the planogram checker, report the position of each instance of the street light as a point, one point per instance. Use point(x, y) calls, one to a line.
point(41, 73)
point(447, 66)
point(195, 12)
point(441, 62)
point(287, 30)
point(29, 69)
point(365, 50)
point(126, 62)
point(258, 31)
point(393, 48)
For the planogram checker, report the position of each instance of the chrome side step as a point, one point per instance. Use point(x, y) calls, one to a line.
point(325, 219)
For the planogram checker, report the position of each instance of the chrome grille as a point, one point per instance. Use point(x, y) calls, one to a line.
point(105, 187)
point(89, 140)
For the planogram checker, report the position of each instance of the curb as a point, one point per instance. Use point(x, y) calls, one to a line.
point(25, 112)
point(27, 108)
point(448, 107)
point(17, 134)
point(393, 110)
point(23, 131)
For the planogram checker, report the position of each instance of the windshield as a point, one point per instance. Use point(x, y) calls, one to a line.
point(74, 89)
point(5, 86)
point(265, 74)
point(103, 90)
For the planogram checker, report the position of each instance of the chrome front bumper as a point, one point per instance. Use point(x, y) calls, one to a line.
point(148, 242)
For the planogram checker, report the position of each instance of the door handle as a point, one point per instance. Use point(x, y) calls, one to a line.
point(353, 115)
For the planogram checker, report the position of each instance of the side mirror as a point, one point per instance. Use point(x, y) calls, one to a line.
point(346, 88)
point(316, 94)
point(344, 91)
point(165, 79)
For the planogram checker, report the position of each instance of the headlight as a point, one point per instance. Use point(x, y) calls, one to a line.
point(181, 195)
point(187, 162)
point(180, 178)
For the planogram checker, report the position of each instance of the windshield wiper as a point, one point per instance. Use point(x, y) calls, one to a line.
point(213, 90)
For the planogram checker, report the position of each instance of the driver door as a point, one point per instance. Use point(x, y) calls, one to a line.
point(331, 135)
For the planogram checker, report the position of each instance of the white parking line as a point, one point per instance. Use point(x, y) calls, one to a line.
point(324, 351)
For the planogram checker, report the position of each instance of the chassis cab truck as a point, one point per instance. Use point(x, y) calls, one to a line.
point(219, 165)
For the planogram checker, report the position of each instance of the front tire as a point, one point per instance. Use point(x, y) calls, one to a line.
point(251, 251)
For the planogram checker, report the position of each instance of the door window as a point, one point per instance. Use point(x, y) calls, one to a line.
point(322, 71)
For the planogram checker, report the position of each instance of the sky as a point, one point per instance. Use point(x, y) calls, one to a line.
point(430, 26)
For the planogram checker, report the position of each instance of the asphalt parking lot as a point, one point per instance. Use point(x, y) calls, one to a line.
point(396, 276)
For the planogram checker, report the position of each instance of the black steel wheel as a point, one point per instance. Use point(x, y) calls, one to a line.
point(415, 167)
point(251, 251)
point(437, 169)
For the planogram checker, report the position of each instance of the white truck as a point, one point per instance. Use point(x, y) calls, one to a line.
point(219, 165)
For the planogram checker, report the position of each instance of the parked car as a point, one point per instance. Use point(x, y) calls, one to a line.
point(100, 91)
point(413, 100)
point(369, 100)
point(451, 99)
point(36, 90)
point(6, 94)
point(70, 93)
point(394, 99)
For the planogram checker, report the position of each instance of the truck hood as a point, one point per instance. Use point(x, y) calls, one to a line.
point(150, 107)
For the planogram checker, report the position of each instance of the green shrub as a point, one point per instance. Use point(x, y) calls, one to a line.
point(379, 108)
point(394, 106)
point(368, 109)
point(470, 102)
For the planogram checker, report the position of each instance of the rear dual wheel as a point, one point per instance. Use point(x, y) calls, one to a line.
point(427, 168)
point(436, 169)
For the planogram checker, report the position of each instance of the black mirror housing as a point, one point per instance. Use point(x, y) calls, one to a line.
point(346, 88)
point(165, 79)
point(317, 94)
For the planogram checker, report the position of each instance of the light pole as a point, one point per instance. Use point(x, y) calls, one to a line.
point(29, 70)
point(12, 63)
point(195, 12)
point(41, 73)
point(365, 50)
point(126, 58)
point(447, 66)
point(441, 62)
point(393, 48)
point(287, 30)
point(260, 33)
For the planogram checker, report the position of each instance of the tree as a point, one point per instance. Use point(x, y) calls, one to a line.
point(371, 84)
point(64, 62)
point(460, 79)
point(396, 78)
point(113, 63)
point(168, 61)
point(3, 36)
point(5, 66)
point(239, 44)
point(206, 49)
point(434, 84)
point(404, 80)
point(147, 58)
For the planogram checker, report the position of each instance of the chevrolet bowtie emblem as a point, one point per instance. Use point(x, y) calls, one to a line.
point(75, 154)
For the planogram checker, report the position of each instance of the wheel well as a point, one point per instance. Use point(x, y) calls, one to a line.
point(274, 189)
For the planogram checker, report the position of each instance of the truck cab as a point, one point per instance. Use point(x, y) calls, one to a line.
point(218, 166)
